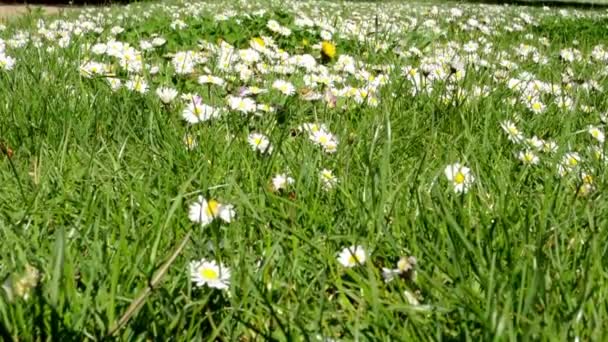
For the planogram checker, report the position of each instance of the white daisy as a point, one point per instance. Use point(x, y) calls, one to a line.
point(328, 179)
point(259, 142)
point(208, 272)
point(352, 256)
point(281, 181)
point(204, 212)
point(284, 87)
point(596, 133)
point(166, 94)
point(460, 176)
point(196, 111)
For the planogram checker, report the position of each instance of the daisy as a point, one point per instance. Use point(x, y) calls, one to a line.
point(284, 87)
point(166, 94)
point(259, 142)
point(210, 79)
point(528, 157)
point(328, 179)
point(596, 133)
point(190, 141)
point(281, 181)
point(460, 176)
point(571, 160)
point(196, 111)
point(138, 84)
point(352, 256)
point(208, 272)
point(587, 185)
point(241, 104)
point(405, 267)
point(158, 41)
point(513, 133)
point(535, 142)
point(114, 83)
point(204, 212)
point(327, 140)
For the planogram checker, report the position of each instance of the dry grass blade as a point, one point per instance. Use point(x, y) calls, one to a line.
point(137, 302)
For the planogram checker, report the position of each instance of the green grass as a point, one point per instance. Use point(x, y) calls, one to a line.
point(96, 192)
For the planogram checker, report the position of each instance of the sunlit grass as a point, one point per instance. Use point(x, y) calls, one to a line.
point(446, 182)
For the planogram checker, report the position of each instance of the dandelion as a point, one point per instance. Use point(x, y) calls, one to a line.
point(166, 94)
point(259, 142)
point(328, 51)
point(328, 179)
point(460, 176)
point(209, 273)
point(281, 181)
point(204, 212)
point(352, 256)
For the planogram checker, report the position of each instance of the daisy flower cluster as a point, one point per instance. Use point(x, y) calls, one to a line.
point(323, 124)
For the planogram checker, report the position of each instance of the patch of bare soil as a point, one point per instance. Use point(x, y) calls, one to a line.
point(7, 11)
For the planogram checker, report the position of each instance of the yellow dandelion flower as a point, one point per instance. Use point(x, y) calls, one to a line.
point(328, 51)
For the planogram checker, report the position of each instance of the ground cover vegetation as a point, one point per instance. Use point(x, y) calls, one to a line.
point(304, 171)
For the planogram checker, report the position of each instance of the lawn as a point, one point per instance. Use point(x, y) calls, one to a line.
point(291, 170)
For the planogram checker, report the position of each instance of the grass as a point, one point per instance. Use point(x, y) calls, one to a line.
point(96, 185)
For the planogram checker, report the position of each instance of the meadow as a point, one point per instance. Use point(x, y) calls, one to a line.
point(314, 171)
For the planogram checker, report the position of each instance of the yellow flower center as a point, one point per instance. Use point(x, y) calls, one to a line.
point(572, 161)
point(536, 106)
point(259, 41)
point(257, 141)
point(323, 139)
point(208, 273)
point(213, 207)
point(352, 259)
point(588, 179)
point(459, 178)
